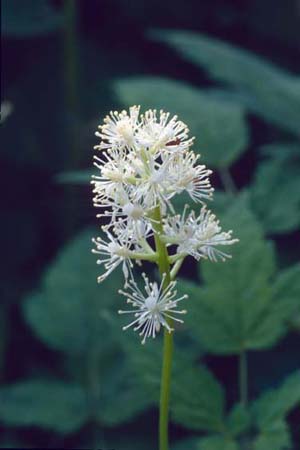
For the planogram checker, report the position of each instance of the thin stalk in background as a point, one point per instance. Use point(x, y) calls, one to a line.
point(164, 268)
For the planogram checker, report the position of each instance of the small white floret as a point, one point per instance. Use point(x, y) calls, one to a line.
point(152, 309)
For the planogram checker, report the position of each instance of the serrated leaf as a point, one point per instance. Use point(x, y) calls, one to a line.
point(218, 125)
point(54, 405)
point(71, 311)
point(269, 412)
point(122, 396)
point(238, 420)
point(267, 90)
point(146, 361)
point(286, 291)
point(234, 308)
point(217, 443)
point(274, 405)
point(275, 192)
point(275, 437)
point(197, 399)
point(73, 314)
point(30, 18)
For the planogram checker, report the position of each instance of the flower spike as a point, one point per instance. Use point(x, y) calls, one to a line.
point(144, 161)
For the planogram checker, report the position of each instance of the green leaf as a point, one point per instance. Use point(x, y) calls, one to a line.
point(122, 395)
point(282, 151)
point(275, 192)
point(267, 90)
point(125, 441)
point(54, 405)
point(75, 315)
point(269, 412)
point(238, 420)
point(221, 202)
point(274, 405)
point(234, 307)
point(186, 444)
point(71, 312)
point(30, 18)
point(146, 362)
point(218, 125)
point(275, 437)
point(217, 443)
point(197, 400)
point(286, 291)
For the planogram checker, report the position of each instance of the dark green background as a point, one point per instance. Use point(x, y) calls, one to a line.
point(59, 64)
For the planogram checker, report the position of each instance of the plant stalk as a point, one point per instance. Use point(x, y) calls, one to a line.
point(164, 268)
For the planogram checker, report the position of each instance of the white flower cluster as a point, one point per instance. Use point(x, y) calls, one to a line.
point(145, 160)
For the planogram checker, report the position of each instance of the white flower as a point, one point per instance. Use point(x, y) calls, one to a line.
point(186, 176)
point(162, 133)
point(119, 129)
point(197, 236)
point(146, 162)
point(154, 183)
point(125, 243)
point(113, 253)
point(152, 310)
point(110, 184)
point(133, 211)
point(114, 165)
point(135, 231)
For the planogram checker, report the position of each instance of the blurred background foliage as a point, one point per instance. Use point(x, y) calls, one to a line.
point(69, 376)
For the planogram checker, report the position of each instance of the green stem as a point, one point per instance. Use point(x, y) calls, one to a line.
point(164, 268)
point(243, 377)
point(144, 256)
point(176, 268)
point(165, 391)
